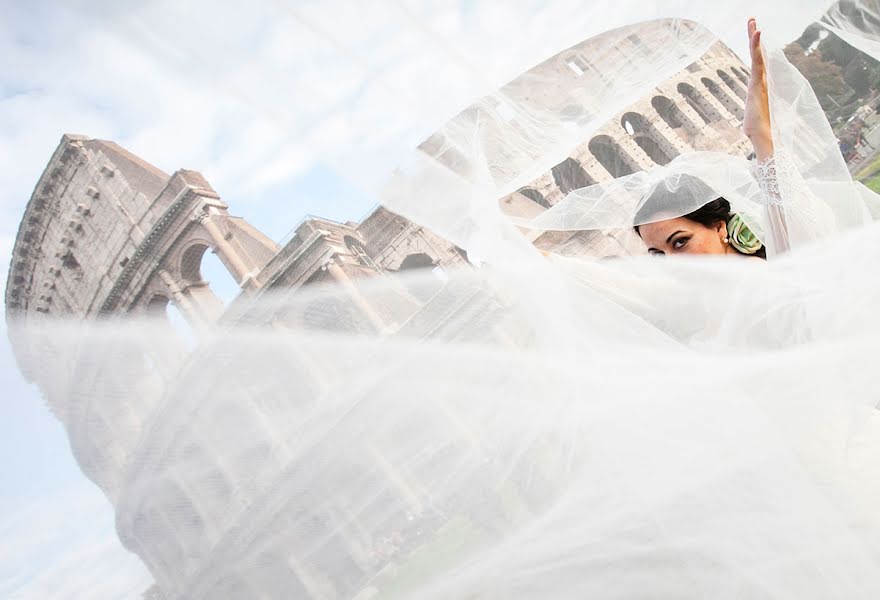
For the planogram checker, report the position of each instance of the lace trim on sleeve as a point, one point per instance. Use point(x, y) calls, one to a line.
point(766, 173)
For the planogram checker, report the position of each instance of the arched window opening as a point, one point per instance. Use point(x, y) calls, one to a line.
point(577, 64)
point(611, 156)
point(652, 149)
point(741, 74)
point(157, 306)
point(648, 138)
point(535, 196)
point(352, 242)
point(723, 97)
point(735, 86)
point(419, 283)
point(191, 263)
point(417, 261)
point(163, 312)
point(201, 268)
point(570, 175)
point(358, 250)
point(668, 111)
point(698, 102)
point(170, 337)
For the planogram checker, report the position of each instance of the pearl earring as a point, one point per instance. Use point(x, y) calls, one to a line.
point(726, 240)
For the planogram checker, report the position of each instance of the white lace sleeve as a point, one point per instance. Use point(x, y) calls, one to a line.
point(779, 179)
point(795, 214)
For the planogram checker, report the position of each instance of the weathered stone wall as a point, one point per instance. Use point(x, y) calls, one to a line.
point(82, 223)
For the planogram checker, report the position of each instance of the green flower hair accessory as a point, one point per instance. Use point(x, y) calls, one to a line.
point(741, 237)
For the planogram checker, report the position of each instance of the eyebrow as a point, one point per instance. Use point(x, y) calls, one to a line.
point(673, 234)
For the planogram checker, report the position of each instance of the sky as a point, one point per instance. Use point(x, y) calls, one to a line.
point(289, 108)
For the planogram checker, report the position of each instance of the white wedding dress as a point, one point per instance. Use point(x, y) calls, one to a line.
point(541, 427)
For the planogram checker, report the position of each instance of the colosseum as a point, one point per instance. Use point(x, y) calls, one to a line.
point(105, 234)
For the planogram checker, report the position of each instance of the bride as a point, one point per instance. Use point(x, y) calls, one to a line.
point(713, 228)
point(797, 191)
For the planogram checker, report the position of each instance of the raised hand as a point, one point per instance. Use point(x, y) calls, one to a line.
point(756, 123)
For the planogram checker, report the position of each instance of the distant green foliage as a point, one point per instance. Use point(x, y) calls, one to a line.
point(826, 77)
point(873, 183)
point(869, 170)
point(843, 77)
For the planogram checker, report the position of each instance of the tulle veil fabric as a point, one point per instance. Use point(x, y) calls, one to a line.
point(533, 427)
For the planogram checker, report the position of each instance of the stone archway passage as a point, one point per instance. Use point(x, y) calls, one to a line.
point(658, 149)
point(535, 196)
point(570, 175)
point(735, 85)
point(698, 102)
point(611, 156)
point(668, 111)
point(417, 261)
point(723, 97)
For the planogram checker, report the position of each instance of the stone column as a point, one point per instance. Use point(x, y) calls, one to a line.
point(199, 311)
point(237, 267)
point(642, 161)
point(345, 282)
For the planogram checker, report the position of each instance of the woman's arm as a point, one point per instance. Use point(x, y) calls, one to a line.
point(756, 123)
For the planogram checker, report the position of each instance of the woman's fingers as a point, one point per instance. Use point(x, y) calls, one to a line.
point(755, 44)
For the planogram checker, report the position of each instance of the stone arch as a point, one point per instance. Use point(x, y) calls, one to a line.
point(670, 113)
point(190, 267)
point(741, 74)
point(697, 101)
point(157, 305)
point(199, 268)
point(576, 63)
point(611, 156)
point(419, 285)
point(359, 251)
point(724, 97)
point(420, 260)
point(352, 242)
point(190, 291)
point(535, 196)
point(570, 175)
point(174, 333)
point(735, 85)
point(655, 145)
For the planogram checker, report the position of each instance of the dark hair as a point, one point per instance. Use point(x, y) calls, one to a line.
point(707, 215)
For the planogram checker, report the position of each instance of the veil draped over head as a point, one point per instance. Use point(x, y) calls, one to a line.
point(516, 425)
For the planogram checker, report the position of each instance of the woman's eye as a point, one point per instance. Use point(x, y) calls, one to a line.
point(680, 243)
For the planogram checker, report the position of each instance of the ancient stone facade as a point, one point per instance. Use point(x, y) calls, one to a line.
point(105, 233)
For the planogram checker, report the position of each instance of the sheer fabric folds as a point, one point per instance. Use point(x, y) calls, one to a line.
point(527, 426)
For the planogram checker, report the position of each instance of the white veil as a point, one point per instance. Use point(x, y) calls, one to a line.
point(816, 193)
point(532, 427)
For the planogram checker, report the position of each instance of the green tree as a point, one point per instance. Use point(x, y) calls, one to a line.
point(824, 76)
